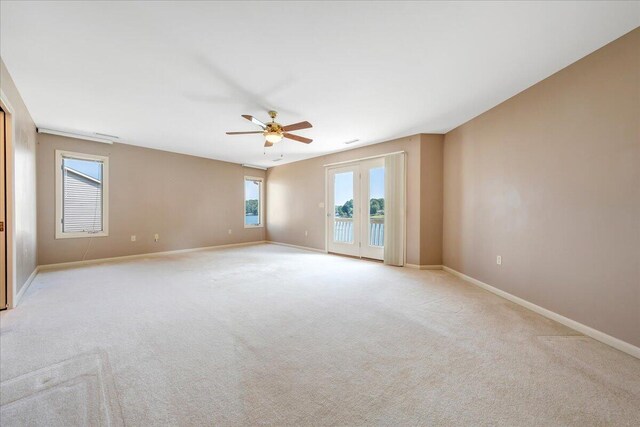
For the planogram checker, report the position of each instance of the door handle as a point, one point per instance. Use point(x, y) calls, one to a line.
point(1, 225)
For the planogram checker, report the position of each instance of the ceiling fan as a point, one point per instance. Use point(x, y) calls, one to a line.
point(274, 132)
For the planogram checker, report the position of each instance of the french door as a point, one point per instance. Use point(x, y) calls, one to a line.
point(355, 209)
point(3, 234)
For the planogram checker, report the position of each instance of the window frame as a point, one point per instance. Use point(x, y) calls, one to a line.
point(60, 234)
point(260, 202)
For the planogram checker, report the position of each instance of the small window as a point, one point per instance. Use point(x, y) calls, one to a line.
point(252, 202)
point(82, 182)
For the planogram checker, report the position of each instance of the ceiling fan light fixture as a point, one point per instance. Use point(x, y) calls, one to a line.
point(273, 137)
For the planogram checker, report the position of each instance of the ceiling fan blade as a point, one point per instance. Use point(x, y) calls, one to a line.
point(243, 133)
point(268, 144)
point(297, 126)
point(254, 120)
point(297, 138)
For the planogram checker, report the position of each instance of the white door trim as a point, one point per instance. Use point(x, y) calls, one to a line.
point(344, 248)
point(361, 218)
point(10, 199)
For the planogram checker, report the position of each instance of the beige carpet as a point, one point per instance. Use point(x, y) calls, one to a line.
point(271, 335)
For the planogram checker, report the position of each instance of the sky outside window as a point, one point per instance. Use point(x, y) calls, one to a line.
point(87, 167)
point(251, 190)
point(344, 185)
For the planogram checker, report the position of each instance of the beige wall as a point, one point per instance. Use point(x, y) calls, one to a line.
point(189, 201)
point(296, 190)
point(431, 198)
point(550, 180)
point(23, 174)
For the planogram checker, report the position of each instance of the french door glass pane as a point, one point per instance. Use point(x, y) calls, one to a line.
point(376, 206)
point(343, 207)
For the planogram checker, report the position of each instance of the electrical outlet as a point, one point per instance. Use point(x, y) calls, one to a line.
point(133, 237)
point(499, 260)
point(156, 237)
point(306, 233)
point(321, 205)
point(230, 231)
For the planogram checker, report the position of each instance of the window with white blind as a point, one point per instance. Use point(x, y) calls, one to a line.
point(82, 196)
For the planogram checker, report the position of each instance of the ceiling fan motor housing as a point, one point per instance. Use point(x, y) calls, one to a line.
point(273, 127)
point(273, 132)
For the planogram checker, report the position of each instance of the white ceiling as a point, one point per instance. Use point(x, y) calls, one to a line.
point(176, 76)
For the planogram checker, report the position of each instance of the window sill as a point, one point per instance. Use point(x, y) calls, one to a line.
point(253, 226)
point(80, 235)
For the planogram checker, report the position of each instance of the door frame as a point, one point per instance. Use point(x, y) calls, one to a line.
point(357, 217)
point(334, 165)
point(326, 193)
point(9, 183)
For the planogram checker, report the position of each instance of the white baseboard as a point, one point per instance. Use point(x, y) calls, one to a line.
point(584, 329)
point(26, 284)
point(306, 248)
point(144, 255)
point(423, 267)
